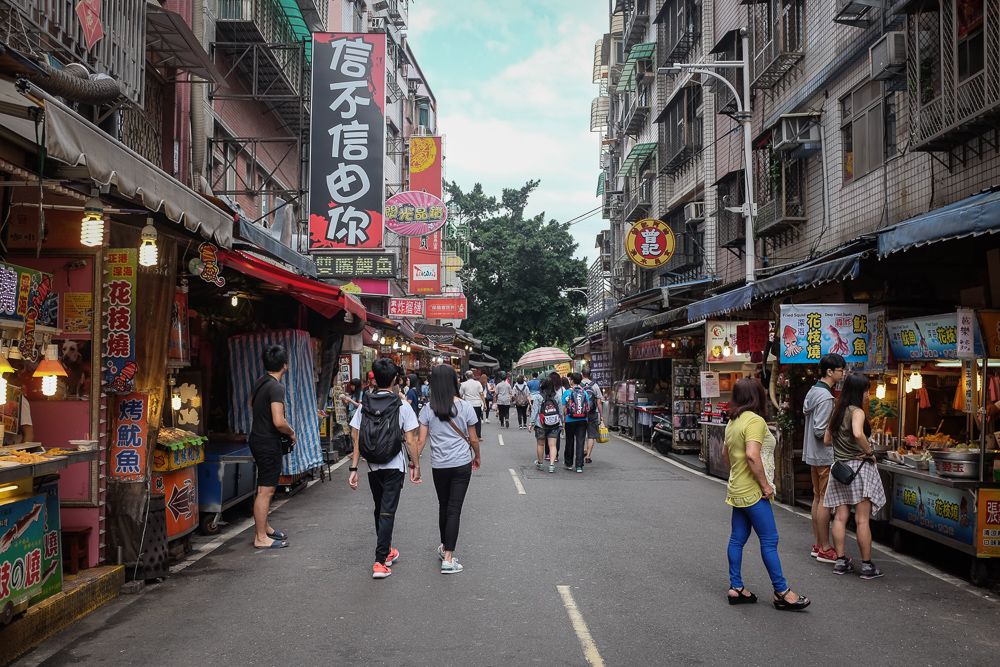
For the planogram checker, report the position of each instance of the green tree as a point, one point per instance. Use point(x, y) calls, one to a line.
point(518, 269)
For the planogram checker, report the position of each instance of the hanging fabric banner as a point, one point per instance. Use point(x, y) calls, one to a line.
point(119, 321)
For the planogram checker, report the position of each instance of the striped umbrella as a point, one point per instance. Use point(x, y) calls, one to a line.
point(543, 356)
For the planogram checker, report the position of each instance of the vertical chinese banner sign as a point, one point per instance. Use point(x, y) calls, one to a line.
point(425, 252)
point(119, 321)
point(128, 437)
point(346, 185)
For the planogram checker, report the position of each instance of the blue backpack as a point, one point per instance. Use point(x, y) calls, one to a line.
point(578, 404)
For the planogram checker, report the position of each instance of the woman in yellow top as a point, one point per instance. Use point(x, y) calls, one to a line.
point(749, 492)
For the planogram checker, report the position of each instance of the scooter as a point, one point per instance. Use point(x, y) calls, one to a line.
point(663, 434)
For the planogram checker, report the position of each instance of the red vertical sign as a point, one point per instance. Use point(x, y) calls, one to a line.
point(425, 252)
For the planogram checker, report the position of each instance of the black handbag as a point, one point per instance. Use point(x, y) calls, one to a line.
point(843, 473)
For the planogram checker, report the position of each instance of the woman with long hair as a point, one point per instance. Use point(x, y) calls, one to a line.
point(352, 399)
point(749, 493)
point(848, 433)
point(451, 424)
point(546, 433)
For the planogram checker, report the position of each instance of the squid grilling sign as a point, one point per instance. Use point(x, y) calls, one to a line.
point(809, 331)
point(650, 243)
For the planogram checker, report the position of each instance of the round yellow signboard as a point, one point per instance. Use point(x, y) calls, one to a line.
point(650, 243)
point(423, 151)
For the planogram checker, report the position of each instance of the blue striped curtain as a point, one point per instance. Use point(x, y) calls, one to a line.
point(245, 366)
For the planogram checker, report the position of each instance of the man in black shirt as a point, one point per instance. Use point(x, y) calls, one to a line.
point(269, 426)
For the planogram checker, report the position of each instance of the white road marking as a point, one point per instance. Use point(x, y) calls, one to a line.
point(517, 482)
point(580, 627)
point(501, 439)
point(888, 551)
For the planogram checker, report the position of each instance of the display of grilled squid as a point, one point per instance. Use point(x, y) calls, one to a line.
point(19, 527)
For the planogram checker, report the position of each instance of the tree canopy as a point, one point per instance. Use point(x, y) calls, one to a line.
point(518, 269)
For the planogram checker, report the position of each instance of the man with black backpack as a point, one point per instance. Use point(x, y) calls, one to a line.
point(577, 409)
point(378, 429)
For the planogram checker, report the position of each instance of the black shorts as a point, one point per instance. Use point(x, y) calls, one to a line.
point(267, 455)
point(593, 423)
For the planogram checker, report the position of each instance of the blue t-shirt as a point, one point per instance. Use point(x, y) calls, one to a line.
point(411, 396)
point(565, 402)
point(448, 448)
point(533, 385)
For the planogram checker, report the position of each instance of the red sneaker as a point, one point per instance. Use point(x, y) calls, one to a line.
point(815, 551)
point(380, 571)
point(828, 556)
point(393, 557)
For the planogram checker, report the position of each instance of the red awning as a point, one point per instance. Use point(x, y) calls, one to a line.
point(326, 300)
point(374, 319)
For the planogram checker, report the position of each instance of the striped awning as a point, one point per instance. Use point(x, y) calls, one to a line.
point(600, 184)
point(636, 157)
point(644, 51)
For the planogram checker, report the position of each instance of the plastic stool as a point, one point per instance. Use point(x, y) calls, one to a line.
point(76, 547)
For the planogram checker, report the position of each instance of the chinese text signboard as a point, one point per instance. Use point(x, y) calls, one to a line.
point(26, 296)
point(348, 141)
point(809, 331)
point(991, 333)
point(446, 309)
point(879, 355)
point(181, 490)
point(414, 214)
point(719, 335)
point(425, 264)
point(30, 564)
point(425, 165)
point(600, 369)
point(129, 432)
point(937, 509)
point(933, 337)
point(119, 321)
point(650, 243)
point(356, 265)
point(988, 523)
point(406, 308)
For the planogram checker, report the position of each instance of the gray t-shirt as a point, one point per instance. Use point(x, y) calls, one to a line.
point(448, 448)
point(268, 391)
point(470, 390)
point(503, 393)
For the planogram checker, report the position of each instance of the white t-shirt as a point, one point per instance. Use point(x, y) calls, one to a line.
point(407, 422)
point(25, 412)
point(469, 392)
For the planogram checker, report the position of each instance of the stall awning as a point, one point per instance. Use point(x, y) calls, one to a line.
point(643, 298)
point(638, 52)
point(723, 303)
point(326, 300)
point(636, 157)
point(845, 268)
point(378, 320)
point(663, 318)
point(171, 43)
point(600, 184)
point(973, 216)
point(603, 315)
point(255, 235)
point(72, 140)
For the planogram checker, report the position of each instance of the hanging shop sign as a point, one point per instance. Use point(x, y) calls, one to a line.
point(425, 264)
point(809, 331)
point(720, 337)
point(191, 415)
point(206, 265)
point(26, 296)
point(348, 141)
point(447, 309)
point(650, 243)
point(425, 165)
point(938, 509)
point(647, 349)
point(30, 562)
point(356, 265)
point(988, 523)
point(129, 432)
point(179, 348)
point(878, 342)
point(967, 333)
point(89, 13)
point(180, 487)
point(414, 214)
point(600, 368)
point(406, 308)
point(368, 286)
point(934, 337)
point(119, 321)
point(991, 333)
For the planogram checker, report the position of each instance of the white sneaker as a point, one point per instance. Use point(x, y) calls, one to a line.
point(441, 551)
point(454, 567)
point(487, 421)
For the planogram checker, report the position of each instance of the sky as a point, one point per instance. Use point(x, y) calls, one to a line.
point(513, 82)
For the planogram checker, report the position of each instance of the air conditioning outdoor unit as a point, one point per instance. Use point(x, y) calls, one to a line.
point(887, 56)
point(376, 24)
point(793, 131)
point(694, 211)
point(649, 174)
point(422, 131)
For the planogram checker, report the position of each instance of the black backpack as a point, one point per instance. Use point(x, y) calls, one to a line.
point(380, 439)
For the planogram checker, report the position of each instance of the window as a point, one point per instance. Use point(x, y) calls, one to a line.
point(971, 51)
point(680, 27)
point(360, 22)
point(863, 130)
point(230, 168)
point(682, 129)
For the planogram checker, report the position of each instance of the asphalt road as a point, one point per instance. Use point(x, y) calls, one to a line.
point(639, 541)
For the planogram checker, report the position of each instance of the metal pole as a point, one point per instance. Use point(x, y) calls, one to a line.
point(751, 255)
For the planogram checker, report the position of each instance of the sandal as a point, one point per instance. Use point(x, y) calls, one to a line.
point(739, 598)
point(587, 460)
point(784, 605)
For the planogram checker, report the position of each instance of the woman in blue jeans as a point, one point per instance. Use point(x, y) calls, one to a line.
point(749, 452)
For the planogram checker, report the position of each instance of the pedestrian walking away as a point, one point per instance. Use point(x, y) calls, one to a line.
point(271, 437)
point(488, 395)
point(546, 420)
point(522, 401)
point(576, 407)
point(816, 454)
point(448, 424)
point(855, 481)
point(595, 416)
point(503, 400)
point(471, 391)
point(534, 384)
point(413, 392)
point(378, 430)
point(749, 492)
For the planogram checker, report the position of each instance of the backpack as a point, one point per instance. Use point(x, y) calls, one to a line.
point(549, 415)
point(591, 389)
point(578, 404)
point(380, 438)
point(521, 397)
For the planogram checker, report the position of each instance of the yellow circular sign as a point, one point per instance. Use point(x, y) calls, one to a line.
point(422, 154)
point(453, 262)
point(650, 243)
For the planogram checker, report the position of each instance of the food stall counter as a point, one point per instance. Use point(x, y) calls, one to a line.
point(927, 476)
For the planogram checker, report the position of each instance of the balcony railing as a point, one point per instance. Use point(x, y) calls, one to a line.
point(637, 20)
point(53, 26)
point(730, 226)
point(638, 110)
point(680, 27)
point(777, 32)
point(638, 200)
point(262, 22)
point(780, 186)
point(689, 252)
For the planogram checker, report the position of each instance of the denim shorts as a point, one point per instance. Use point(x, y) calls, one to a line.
point(546, 432)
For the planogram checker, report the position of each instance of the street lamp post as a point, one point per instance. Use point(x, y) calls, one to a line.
point(749, 208)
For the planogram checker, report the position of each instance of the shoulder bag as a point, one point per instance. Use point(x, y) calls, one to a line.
point(843, 473)
point(464, 437)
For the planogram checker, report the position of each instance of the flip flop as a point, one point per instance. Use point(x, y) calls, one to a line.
point(587, 460)
point(277, 544)
point(278, 535)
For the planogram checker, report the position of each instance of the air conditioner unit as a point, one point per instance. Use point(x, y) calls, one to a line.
point(791, 132)
point(887, 56)
point(422, 131)
point(376, 24)
point(694, 211)
point(648, 175)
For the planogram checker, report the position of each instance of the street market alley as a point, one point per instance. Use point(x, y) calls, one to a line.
point(638, 541)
